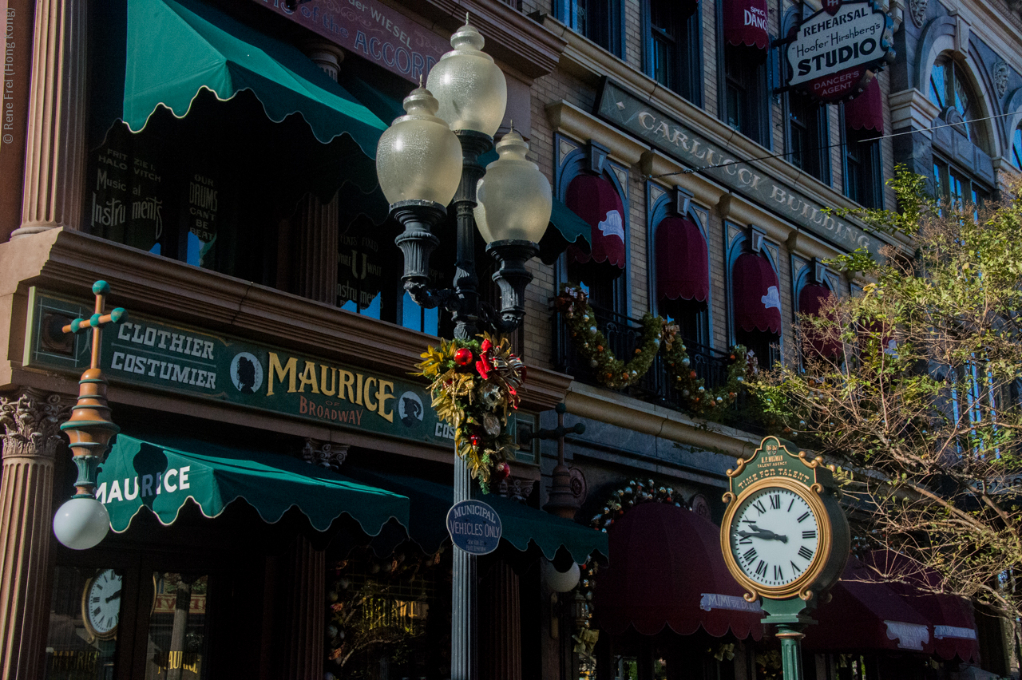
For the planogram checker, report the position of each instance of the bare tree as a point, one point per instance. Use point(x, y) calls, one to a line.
point(913, 388)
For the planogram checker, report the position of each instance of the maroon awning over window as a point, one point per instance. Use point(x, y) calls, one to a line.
point(755, 294)
point(812, 301)
point(595, 200)
point(866, 614)
point(745, 23)
point(667, 570)
point(866, 111)
point(681, 261)
point(952, 623)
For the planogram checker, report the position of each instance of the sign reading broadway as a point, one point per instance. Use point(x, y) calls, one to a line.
point(169, 357)
point(668, 134)
point(835, 47)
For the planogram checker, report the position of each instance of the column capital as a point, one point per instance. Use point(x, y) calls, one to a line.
point(31, 423)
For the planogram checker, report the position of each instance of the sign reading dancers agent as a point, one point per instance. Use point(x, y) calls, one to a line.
point(839, 43)
point(474, 527)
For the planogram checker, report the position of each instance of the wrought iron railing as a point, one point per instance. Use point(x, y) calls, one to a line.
point(623, 336)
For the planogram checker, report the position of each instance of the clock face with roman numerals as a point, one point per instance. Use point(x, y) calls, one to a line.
point(774, 536)
point(102, 603)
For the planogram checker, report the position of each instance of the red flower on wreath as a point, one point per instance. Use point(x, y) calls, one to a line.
point(483, 365)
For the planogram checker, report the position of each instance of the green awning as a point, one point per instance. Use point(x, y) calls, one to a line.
point(566, 228)
point(177, 48)
point(521, 524)
point(163, 476)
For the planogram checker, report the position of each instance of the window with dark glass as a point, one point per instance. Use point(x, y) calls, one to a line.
point(863, 173)
point(744, 101)
point(807, 136)
point(958, 189)
point(1016, 148)
point(598, 20)
point(674, 50)
point(951, 92)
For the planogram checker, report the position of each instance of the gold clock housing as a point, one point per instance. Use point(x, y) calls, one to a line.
point(800, 586)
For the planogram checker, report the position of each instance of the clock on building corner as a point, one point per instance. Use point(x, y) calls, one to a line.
point(784, 535)
point(101, 604)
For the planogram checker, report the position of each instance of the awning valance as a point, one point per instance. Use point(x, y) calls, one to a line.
point(174, 49)
point(521, 524)
point(745, 23)
point(597, 202)
point(666, 570)
point(953, 624)
point(755, 294)
point(865, 614)
point(566, 229)
point(866, 111)
point(812, 301)
point(682, 269)
point(162, 476)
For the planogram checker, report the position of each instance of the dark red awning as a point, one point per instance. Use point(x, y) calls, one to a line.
point(681, 261)
point(866, 111)
point(953, 625)
point(745, 23)
point(813, 299)
point(596, 201)
point(755, 294)
point(667, 570)
point(865, 614)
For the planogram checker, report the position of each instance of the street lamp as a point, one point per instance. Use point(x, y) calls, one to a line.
point(509, 201)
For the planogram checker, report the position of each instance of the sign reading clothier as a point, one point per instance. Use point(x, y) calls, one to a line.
point(160, 355)
point(668, 134)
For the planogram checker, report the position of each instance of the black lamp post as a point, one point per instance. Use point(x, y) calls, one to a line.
point(422, 166)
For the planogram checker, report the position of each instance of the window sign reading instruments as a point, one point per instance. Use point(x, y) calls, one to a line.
point(474, 527)
point(785, 538)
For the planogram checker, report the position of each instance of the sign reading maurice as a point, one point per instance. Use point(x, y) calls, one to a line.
point(153, 353)
point(666, 133)
point(372, 30)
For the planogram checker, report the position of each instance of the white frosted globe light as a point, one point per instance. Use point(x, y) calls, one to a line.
point(514, 199)
point(561, 581)
point(81, 523)
point(471, 89)
point(418, 157)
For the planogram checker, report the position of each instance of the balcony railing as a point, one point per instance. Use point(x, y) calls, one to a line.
point(623, 336)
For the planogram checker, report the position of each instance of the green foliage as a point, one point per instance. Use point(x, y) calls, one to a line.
point(921, 407)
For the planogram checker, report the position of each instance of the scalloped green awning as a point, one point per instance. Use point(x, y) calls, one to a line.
point(176, 48)
point(521, 525)
point(162, 477)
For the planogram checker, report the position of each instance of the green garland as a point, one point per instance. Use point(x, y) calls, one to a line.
point(591, 344)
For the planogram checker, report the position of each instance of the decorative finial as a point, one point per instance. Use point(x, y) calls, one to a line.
point(512, 125)
point(466, 18)
point(420, 80)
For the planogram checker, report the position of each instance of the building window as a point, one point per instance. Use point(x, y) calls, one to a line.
point(598, 20)
point(674, 48)
point(744, 100)
point(951, 93)
point(601, 272)
point(1016, 148)
point(863, 171)
point(957, 189)
point(808, 136)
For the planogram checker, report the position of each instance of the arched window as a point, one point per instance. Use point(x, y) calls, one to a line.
point(952, 93)
point(756, 306)
point(682, 277)
point(595, 199)
point(1016, 148)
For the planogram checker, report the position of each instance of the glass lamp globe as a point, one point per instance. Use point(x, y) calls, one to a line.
point(513, 198)
point(81, 523)
point(418, 157)
point(470, 87)
point(561, 581)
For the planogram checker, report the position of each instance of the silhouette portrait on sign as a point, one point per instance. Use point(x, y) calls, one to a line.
point(413, 411)
point(246, 376)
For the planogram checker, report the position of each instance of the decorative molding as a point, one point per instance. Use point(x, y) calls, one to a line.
point(31, 422)
point(655, 192)
point(912, 109)
point(516, 488)
point(700, 506)
point(917, 9)
point(579, 486)
point(1001, 72)
point(622, 177)
point(566, 147)
point(325, 454)
point(570, 120)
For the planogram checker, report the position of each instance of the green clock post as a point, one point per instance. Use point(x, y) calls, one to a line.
point(785, 539)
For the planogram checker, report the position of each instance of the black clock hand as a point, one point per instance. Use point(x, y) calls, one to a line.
point(114, 596)
point(765, 534)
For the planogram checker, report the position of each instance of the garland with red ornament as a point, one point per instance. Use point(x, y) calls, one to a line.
point(475, 387)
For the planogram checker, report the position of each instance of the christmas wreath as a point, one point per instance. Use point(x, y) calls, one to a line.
point(474, 388)
point(611, 371)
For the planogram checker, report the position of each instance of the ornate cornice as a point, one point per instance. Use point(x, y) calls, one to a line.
point(31, 421)
point(66, 261)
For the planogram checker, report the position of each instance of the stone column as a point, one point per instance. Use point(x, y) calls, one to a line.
point(305, 614)
point(31, 436)
point(55, 148)
point(500, 619)
point(316, 230)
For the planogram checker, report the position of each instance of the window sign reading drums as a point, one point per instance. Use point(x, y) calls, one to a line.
point(156, 354)
point(835, 48)
point(474, 527)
